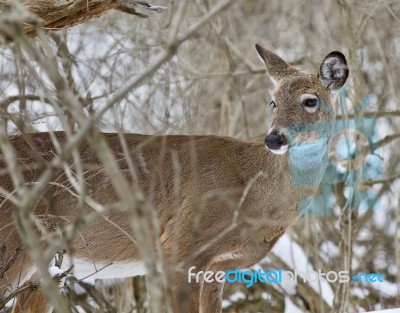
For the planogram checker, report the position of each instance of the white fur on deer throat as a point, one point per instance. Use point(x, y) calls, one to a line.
point(281, 150)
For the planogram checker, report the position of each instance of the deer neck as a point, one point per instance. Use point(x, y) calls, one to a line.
point(295, 174)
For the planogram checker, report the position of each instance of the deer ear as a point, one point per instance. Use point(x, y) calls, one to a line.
point(333, 71)
point(277, 68)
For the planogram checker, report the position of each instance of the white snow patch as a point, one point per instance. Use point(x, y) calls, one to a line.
point(288, 285)
point(54, 270)
point(238, 295)
point(329, 250)
point(293, 255)
point(290, 307)
point(386, 311)
point(226, 303)
point(387, 289)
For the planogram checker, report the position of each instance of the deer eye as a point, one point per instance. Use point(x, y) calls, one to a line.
point(272, 104)
point(310, 104)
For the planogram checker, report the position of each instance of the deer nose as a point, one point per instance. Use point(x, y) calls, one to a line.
point(274, 141)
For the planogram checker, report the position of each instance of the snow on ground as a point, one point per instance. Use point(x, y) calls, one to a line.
point(386, 311)
point(290, 307)
point(293, 255)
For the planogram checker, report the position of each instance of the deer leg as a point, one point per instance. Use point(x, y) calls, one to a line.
point(185, 295)
point(211, 293)
point(211, 297)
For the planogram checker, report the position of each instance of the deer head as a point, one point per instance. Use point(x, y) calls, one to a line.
point(300, 98)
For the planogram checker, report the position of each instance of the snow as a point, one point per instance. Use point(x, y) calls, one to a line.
point(386, 288)
point(226, 303)
point(386, 311)
point(288, 285)
point(286, 249)
point(238, 295)
point(290, 307)
point(54, 270)
point(329, 250)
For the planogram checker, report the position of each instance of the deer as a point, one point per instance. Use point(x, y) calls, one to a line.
point(237, 197)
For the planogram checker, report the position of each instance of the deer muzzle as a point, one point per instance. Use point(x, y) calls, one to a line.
point(276, 142)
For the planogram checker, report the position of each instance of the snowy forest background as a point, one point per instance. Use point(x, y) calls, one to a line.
point(215, 84)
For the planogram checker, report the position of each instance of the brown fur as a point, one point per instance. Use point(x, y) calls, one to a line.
point(209, 165)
